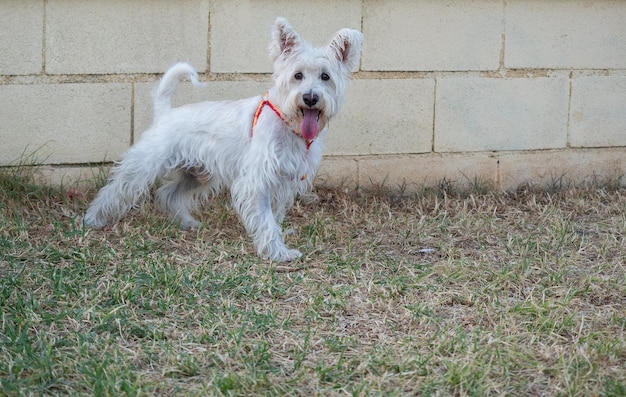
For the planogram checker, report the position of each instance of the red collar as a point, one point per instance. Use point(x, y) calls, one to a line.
point(266, 102)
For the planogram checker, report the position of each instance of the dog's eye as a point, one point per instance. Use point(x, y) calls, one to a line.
point(325, 77)
point(298, 76)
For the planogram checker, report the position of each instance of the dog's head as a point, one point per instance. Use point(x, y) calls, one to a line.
point(309, 83)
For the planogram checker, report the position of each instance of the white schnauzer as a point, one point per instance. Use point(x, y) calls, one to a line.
point(265, 149)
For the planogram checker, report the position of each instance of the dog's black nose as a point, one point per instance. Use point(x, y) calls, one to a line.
point(310, 99)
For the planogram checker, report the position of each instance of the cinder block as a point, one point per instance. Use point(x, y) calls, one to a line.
point(432, 35)
point(186, 93)
point(337, 171)
point(398, 119)
point(565, 34)
point(71, 176)
point(477, 114)
point(598, 111)
point(384, 116)
point(553, 167)
point(125, 36)
point(415, 171)
point(64, 123)
point(240, 29)
point(21, 28)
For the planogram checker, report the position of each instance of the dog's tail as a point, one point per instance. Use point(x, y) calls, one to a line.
point(165, 89)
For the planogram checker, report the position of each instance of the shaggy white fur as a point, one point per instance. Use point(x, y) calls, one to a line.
point(266, 150)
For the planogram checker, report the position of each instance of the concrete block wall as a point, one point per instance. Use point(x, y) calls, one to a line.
point(508, 91)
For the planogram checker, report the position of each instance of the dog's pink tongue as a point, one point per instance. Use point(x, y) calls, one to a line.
point(310, 127)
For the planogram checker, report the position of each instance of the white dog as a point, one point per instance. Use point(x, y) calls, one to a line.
point(265, 149)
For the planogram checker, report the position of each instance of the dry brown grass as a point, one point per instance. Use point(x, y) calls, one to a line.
point(436, 293)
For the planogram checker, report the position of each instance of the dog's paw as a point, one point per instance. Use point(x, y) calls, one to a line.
point(93, 222)
point(286, 256)
point(190, 224)
point(291, 255)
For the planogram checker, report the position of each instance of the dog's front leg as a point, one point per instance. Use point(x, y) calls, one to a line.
point(254, 207)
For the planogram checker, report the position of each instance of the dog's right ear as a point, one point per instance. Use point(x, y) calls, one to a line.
point(284, 39)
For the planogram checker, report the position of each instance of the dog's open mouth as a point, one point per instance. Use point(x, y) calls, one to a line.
point(310, 126)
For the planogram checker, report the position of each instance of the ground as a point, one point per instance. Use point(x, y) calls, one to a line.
point(442, 291)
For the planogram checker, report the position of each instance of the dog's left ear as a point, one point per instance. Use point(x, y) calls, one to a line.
point(284, 39)
point(346, 47)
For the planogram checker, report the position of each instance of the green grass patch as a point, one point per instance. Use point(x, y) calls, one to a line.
point(451, 291)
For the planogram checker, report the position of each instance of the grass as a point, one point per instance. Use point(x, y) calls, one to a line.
point(468, 292)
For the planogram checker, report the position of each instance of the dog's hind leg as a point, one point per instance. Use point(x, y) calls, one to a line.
point(178, 197)
point(128, 186)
